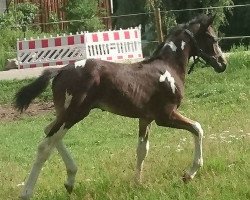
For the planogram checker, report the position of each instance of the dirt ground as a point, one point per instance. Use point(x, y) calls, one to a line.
point(8, 113)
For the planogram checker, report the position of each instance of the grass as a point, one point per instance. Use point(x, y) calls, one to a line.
point(103, 146)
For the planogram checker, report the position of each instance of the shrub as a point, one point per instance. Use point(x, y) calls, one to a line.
point(85, 10)
point(15, 24)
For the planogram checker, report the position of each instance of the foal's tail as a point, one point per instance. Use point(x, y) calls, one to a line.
point(26, 94)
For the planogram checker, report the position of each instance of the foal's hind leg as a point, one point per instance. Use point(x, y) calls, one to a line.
point(67, 159)
point(176, 120)
point(43, 152)
point(143, 147)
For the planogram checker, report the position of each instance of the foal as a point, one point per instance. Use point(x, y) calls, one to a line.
point(150, 90)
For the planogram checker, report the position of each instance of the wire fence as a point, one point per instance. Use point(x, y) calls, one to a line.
point(143, 13)
point(149, 13)
point(209, 8)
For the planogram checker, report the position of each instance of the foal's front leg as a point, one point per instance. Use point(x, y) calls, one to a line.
point(176, 120)
point(195, 128)
point(143, 147)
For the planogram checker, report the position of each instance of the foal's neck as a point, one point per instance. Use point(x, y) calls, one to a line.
point(178, 54)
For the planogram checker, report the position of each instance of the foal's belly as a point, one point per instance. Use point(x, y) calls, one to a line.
point(124, 109)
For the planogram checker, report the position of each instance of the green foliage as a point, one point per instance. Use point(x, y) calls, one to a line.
point(85, 10)
point(53, 18)
point(124, 7)
point(220, 13)
point(182, 17)
point(169, 18)
point(238, 25)
point(12, 25)
point(8, 38)
point(19, 16)
point(27, 12)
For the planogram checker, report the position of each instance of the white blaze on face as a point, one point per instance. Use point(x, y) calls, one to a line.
point(169, 78)
point(220, 52)
point(183, 45)
point(80, 63)
point(172, 46)
point(68, 99)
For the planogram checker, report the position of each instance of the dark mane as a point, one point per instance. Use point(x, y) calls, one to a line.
point(156, 54)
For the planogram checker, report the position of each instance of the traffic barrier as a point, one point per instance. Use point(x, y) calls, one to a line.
point(61, 50)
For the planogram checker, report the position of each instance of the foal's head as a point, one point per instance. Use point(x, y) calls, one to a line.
point(205, 42)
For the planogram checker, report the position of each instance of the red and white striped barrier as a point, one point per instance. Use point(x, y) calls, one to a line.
point(61, 50)
point(114, 45)
point(52, 51)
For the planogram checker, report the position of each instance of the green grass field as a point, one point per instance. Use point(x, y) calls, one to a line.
point(104, 144)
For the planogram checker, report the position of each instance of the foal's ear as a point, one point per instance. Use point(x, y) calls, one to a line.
point(211, 18)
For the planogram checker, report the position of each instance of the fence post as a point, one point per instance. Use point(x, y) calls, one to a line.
point(158, 23)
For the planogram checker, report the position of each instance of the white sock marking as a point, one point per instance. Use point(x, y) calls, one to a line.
point(198, 159)
point(142, 151)
point(69, 163)
point(80, 63)
point(183, 45)
point(169, 78)
point(198, 128)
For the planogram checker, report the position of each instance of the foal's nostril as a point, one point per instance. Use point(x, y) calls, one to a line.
point(221, 68)
point(222, 60)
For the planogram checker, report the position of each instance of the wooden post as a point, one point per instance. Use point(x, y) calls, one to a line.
point(158, 24)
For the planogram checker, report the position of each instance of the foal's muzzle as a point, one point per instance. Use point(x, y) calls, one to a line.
point(219, 64)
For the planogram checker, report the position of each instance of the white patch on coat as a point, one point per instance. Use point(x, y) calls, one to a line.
point(68, 98)
point(80, 63)
point(172, 46)
point(183, 45)
point(169, 78)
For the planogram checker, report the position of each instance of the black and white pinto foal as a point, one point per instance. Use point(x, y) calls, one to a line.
point(150, 90)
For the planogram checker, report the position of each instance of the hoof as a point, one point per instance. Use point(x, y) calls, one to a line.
point(69, 188)
point(24, 197)
point(138, 181)
point(186, 178)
